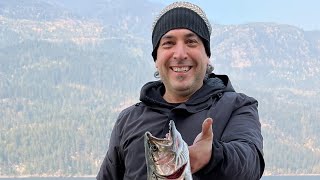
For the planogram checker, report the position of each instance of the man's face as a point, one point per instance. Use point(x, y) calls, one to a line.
point(182, 62)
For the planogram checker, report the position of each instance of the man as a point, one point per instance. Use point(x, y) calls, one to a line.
point(220, 126)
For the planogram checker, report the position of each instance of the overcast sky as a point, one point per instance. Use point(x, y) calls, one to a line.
point(301, 13)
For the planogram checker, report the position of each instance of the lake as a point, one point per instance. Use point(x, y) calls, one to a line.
point(92, 178)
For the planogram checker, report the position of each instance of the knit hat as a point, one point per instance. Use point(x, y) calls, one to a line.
point(181, 15)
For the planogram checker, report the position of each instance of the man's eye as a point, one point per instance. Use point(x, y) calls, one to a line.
point(166, 43)
point(191, 41)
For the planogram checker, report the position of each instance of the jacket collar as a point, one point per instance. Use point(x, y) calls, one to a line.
point(152, 92)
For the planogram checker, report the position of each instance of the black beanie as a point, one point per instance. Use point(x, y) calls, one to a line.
point(181, 15)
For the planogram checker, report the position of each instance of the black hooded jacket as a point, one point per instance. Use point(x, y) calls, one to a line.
point(237, 145)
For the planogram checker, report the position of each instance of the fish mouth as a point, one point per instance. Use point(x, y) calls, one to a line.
point(177, 174)
point(167, 141)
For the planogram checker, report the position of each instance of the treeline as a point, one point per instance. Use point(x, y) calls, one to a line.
point(290, 128)
point(59, 102)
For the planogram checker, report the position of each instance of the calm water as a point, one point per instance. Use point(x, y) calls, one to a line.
point(263, 178)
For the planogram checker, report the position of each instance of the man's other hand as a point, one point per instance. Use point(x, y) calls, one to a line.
point(200, 150)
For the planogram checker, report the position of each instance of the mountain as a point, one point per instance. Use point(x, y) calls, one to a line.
point(67, 68)
point(40, 10)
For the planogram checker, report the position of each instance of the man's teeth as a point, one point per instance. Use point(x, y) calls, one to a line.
point(181, 69)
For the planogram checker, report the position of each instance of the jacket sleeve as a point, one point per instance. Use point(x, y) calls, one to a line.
point(112, 167)
point(238, 154)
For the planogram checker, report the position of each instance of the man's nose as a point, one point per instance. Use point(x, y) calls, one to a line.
point(180, 51)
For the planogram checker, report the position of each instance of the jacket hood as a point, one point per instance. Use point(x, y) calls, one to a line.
point(152, 92)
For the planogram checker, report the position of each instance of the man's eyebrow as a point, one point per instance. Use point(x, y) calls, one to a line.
point(167, 36)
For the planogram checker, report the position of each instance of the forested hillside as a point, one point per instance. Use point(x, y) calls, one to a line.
point(67, 70)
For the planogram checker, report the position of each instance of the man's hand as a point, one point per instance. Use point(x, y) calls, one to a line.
point(200, 150)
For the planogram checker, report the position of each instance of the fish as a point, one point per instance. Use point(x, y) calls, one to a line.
point(168, 157)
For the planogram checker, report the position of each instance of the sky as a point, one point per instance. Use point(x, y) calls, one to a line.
point(304, 14)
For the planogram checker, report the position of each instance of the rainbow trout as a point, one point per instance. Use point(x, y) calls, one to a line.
point(167, 158)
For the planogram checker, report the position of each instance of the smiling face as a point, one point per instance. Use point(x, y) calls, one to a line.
point(181, 62)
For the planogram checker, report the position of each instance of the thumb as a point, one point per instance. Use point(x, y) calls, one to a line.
point(207, 127)
point(206, 132)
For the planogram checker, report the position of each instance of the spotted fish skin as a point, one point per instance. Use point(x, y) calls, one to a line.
point(167, 158)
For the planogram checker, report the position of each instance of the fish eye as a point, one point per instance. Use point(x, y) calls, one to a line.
point(154, 148)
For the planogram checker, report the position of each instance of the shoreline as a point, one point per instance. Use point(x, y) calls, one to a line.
point(39, 176)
